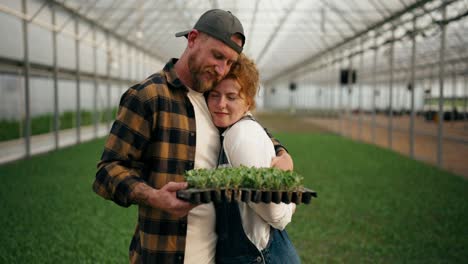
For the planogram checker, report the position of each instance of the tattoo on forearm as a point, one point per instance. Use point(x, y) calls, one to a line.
point(140, 194)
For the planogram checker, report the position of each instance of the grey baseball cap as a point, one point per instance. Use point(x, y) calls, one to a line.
point(221, 25)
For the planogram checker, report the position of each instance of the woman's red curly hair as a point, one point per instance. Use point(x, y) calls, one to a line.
point(245, 72)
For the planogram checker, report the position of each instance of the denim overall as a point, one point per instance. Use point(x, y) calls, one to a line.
point(234, 247)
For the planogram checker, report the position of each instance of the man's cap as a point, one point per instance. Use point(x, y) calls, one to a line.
point(221, 25)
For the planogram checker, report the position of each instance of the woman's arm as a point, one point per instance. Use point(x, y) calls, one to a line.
point(247, 144)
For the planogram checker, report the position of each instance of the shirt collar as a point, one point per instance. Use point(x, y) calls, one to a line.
point(171, 75)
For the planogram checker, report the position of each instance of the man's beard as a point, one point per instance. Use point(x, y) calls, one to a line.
point(199, 84)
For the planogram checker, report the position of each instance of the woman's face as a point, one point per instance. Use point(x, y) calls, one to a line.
point(226, 104)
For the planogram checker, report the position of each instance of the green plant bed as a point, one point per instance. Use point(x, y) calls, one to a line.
point(67, 120)
point(375, 206)
point(86, 118)
point(42, 124)
point(9, 130)
point(244, 177)
point(246, 184)
point(45, 123)
point(51, 215)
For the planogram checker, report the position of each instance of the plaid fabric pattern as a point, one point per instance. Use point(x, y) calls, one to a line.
point(152, 140)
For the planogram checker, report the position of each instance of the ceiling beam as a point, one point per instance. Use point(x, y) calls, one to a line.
point(127, 15)
point(90, 21)
point(252, 25)
point(396, 15)
point(275, 32)
point(340, 14)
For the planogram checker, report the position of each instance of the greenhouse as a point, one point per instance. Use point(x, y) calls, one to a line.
point(370, 98)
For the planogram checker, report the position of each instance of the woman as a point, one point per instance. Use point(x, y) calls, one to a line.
point(247, 232)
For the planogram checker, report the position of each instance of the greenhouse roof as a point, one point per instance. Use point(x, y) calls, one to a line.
point(284, 36)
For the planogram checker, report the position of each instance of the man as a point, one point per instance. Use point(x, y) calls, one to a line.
point(163, 128)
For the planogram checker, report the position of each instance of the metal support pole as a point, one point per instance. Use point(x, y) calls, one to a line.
point(454, 92)
point(360, 87)
point(129, 63)
point(390, 90)
point(340, 96)
point(330, 86)
point(78, 83)
point(334, 72)
point(130, 66)
point(95, 113)
point(465, 99)
point(140, 65)
point(412, 87)
point(55, 76)
point(108, 73)
point(349, 90)
point(289, 101)
point(374, 87)
point(27, 109)
point(121, 73)
point(440, 130)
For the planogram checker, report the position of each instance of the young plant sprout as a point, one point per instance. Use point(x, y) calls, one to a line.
point(244, 177)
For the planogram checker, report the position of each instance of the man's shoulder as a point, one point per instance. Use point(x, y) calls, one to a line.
point(156, 79)
point(153, 86)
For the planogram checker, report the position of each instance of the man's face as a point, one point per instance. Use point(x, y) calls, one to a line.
point(209, 62)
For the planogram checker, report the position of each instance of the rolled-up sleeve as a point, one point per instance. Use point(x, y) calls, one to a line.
point(277, 215)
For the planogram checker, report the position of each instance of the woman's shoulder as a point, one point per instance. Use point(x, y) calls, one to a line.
point(247, 143)
point(246, 127)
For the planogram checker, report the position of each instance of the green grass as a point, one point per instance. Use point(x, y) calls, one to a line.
point(373, 206)
point(51, 215)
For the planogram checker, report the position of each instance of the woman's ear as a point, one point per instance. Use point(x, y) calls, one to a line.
point(249, 105)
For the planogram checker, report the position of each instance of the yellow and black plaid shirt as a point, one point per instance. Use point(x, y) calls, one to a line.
point(152, 140)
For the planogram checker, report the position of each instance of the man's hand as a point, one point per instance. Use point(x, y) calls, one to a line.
point(282, 161)
point(164, 198)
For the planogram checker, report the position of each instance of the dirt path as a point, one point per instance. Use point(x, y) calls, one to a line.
point(454, 149)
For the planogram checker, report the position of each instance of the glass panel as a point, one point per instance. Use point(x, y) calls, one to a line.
point(11, 117)
point(11, 46)
point(42, 114)
point(40, 38)
point(67, 112)
point(102, 109)
point(87, 108)
point(65, 42)
point(11, 106)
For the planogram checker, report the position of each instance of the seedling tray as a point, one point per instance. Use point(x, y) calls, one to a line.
point(197, 196)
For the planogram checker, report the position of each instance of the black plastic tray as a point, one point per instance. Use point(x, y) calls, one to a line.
point(198, 196)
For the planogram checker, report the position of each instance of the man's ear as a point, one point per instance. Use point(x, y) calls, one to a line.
point(192, 37)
